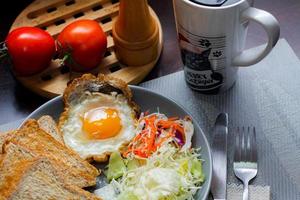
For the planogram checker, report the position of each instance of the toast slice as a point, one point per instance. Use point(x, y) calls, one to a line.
point(31, 137)
point(37, 179)
point(5, 137)
point(47, 124)
point(13, 152)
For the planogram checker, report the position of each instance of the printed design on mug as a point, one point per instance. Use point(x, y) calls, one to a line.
point(203, 57)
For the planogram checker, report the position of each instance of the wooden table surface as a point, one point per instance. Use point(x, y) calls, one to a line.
point(17, 102)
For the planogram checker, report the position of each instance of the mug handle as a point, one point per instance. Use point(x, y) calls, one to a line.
point(271, 26)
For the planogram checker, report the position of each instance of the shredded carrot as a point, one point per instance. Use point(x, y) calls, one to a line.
point(154, 133)
point(173, 118)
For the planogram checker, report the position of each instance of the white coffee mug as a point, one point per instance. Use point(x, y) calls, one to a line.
point(212, 39)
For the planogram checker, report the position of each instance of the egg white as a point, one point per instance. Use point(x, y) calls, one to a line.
point(75, 138)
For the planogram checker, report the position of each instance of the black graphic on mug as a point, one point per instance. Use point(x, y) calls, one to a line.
point(217, 54)
point(204, 43)
point(199, 72)
point(195, 60)
point(204, 60)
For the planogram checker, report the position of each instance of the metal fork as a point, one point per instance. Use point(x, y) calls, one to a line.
point(245, 157)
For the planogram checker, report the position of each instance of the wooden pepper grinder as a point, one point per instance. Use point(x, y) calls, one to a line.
point(135, 33)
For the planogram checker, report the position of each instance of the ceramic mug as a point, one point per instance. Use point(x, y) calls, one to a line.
point(212, 39)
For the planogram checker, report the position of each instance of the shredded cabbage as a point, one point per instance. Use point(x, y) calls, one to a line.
point(169, 174)
point(172, 172)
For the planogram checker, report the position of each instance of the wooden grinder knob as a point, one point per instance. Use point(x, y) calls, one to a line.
point(135, 33)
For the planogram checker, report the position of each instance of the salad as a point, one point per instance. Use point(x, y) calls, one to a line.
point(158, 164)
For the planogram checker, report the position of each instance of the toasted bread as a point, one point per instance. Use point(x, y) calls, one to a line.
point(47, 124)
point(4, 137)
point(35, 139)
point(89, 84)
point(37, 179)
point(13, 152)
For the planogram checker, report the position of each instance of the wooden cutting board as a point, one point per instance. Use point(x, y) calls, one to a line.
point(53, 16)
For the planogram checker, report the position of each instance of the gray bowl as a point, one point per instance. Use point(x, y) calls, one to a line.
point(150, 101)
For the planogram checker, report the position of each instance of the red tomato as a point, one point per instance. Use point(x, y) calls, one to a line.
point(31, 50)
point(85, 42)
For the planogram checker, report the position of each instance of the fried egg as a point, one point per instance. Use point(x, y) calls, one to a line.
point(97, 124)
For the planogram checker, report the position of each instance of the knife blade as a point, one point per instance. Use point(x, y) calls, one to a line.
point(219, 155)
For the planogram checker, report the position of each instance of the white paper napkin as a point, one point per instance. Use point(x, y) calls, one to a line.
point(256, 192)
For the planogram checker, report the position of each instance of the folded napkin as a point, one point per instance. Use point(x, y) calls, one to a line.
point(256, 192)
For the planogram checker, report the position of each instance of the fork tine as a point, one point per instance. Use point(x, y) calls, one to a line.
point(247, 143)
point(237, 148)
point(254, 147)
point(243, 144)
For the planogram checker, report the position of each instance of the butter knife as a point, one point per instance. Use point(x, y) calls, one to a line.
point(219, 155)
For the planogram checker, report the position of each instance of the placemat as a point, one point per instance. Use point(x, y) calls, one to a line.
point(267, 96)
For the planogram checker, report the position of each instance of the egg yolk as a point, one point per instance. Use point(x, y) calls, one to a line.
point(101, 123)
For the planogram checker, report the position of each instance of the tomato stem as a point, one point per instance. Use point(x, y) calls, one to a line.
point(65, 58)
point(66, 55)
